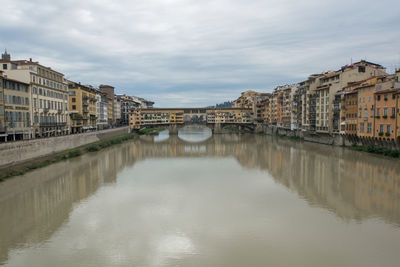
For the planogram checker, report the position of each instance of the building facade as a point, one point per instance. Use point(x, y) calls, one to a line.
point(15, 109)
point(109, 91)
point(2, 122)
point(49, 95)
point(102, 110)
point(82, 106)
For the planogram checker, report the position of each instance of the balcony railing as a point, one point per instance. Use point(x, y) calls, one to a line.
point(52, 124)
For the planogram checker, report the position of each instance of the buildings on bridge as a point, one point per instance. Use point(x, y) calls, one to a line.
point(140, 118)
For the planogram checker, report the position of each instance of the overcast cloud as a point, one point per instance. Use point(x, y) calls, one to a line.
point(198, 53)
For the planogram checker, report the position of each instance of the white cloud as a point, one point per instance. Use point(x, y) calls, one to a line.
point(157, 48)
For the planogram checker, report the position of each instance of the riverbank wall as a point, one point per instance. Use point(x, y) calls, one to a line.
point(331, 139)
point(17, 152)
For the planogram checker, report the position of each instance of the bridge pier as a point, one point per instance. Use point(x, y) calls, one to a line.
point(173, 129)
point(217, 129)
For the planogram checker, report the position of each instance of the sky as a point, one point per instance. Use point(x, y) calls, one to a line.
point(198, 53)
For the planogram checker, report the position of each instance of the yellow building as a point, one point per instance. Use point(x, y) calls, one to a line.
point(82, 107)
point(15, 122)
point(139, 118)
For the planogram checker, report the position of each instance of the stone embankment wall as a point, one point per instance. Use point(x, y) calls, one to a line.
point(16, 152)
point(330, 139)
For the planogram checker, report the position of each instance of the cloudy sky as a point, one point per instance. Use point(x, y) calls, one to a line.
point(199, 52)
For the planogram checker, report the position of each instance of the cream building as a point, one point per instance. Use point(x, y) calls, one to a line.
point(48, 95)
point(326, 86)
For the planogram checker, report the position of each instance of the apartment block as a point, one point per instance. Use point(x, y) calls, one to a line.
point(109, 91)
point(102, 110)
point(15, 116)
point(386, 110)
point(83, 107)
point(48, 95)
point(329, 83)
point(127, 104)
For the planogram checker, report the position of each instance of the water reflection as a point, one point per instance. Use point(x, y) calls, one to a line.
point(351, 185)
point(194, 133)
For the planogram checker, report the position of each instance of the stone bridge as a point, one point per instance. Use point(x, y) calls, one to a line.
point(176, 118)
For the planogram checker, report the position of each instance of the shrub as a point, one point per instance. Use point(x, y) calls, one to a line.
point(74, 153)
point(93, 148)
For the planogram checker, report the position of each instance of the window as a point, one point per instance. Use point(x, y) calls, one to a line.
point(1, 110)
point(381, 128)
point(385, 112)
point(379, 97)
point(1, 96)
point(386, 97)
point(369, 127)
point(4, 66)
point(393, 110)
point(393, 96)
point(74, 99)
point(388, 128)
point(362, 127)
point(378, 112)
point(73, 107)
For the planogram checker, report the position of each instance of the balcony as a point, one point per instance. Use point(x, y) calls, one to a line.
point(52, 124)
point(59, 111)
point(45, 110)
point(85, 110)
point(76, 116)
point(85, 104)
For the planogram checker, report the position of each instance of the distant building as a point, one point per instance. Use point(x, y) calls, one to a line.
point(128, 104)
point(109, 91)
point(102, 110)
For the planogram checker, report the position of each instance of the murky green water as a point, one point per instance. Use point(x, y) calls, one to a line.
point(202, 200)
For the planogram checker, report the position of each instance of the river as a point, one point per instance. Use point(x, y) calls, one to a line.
point(205, 200)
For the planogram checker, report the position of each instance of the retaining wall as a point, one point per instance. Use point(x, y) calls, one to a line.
point(16, 152)
point(330, 139)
